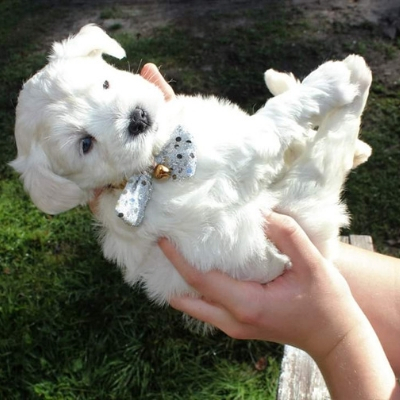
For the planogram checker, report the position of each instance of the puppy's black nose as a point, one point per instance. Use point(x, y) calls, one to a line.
point(139, 121)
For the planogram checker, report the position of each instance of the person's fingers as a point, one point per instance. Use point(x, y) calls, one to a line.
point(213, 314)
point(291, 240)
point(151, 73)
point(199, 309)
point(94, 202)
point(215, 286)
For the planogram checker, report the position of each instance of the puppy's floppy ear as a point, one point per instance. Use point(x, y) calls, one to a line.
point(91, 41)
point(51, 193)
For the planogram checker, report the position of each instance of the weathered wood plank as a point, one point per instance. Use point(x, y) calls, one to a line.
point(363, 241)
point(300, 378)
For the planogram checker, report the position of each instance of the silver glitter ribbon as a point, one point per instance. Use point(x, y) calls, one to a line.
point(178, 155)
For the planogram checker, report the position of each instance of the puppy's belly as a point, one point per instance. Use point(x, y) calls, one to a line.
point(230, 239)
point(162, 281)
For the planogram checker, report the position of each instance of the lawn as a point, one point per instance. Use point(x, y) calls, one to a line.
point(69, 326)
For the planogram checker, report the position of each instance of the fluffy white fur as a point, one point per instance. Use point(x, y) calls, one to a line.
point(278, 83)
point(292, 156)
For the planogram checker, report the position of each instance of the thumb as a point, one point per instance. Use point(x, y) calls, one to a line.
point(290, 239)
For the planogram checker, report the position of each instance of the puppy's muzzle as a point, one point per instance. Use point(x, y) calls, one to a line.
point(139, 122)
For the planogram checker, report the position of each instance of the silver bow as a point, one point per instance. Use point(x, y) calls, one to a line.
point(177, 156)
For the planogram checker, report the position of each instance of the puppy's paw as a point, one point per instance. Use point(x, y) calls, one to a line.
point(360, 74)
point(362, 153)
point(333, 85)
point(279, 82)
point(360, 77)
point(276, 265)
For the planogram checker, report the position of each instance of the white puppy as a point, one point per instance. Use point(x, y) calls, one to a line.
point(81, 124)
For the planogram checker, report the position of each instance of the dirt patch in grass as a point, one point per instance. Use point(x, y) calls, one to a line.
point(333, 20)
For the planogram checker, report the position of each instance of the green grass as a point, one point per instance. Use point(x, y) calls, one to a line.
point(71, 329)
point(69, 326)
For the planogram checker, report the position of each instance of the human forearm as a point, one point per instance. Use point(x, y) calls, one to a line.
point(310, 306)
point(357, 367)
point(374, 280)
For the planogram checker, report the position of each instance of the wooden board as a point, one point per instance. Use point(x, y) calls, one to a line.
point(300, 377)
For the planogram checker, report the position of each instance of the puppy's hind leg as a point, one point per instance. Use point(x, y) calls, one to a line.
point(312, 187)
point(278, 83)
point(336, 141)
point(303, 106)
point(330, 154)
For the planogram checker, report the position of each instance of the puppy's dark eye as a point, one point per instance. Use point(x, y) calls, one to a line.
point(106, 85)
point(86, 144)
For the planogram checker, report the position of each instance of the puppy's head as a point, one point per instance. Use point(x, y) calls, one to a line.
point(82, 124)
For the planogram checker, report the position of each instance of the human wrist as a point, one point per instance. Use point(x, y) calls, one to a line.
point(341, 341)
point(332, 313)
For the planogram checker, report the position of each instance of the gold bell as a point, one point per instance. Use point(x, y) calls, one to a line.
point(161, 172)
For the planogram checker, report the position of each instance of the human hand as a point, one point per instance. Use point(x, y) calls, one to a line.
point(310, 306)
point(152, 74)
